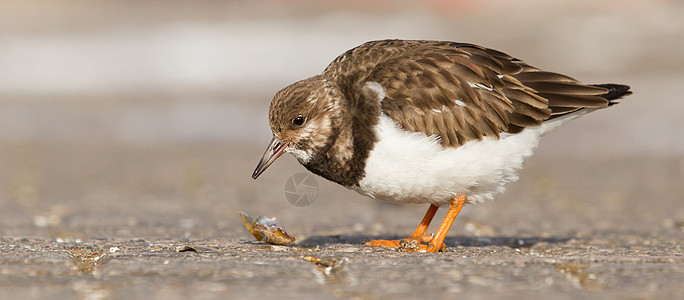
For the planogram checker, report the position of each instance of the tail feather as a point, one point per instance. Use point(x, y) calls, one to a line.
point(574, 106)
point(615, 91)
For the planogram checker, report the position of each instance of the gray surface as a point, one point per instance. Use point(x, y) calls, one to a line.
point(127, 164)
point(584, 228)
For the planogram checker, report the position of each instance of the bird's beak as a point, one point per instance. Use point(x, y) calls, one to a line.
point(275, 149)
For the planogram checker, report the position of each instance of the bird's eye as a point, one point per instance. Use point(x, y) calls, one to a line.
point(298, 121)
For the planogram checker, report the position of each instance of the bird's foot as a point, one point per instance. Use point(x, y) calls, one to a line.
point(418, 241)
point(415, 246)
point(411, 244)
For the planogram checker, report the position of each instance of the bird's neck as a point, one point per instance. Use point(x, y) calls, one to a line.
point(343, 159)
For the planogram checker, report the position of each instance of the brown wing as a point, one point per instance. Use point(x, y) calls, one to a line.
point(462, 92)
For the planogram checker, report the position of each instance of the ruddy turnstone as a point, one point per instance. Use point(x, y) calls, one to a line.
point(435, 122)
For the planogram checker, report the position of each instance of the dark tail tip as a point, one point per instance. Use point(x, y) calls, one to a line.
point(615, 91)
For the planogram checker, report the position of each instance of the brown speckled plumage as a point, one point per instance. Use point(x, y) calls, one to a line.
point(424, 79)
point(456, 91)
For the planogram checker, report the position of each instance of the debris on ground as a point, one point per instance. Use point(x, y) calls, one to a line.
point(266, 230)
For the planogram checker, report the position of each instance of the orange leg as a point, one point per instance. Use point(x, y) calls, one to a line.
point(436, 243)
point(418, 235)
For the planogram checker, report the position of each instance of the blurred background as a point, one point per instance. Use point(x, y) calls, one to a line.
point(145, 119)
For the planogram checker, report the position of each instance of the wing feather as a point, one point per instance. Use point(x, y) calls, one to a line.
point(460, 92)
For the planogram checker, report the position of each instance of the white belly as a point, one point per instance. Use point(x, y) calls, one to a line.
point(410, 167)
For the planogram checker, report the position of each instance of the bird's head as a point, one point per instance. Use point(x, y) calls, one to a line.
point(302, 118)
